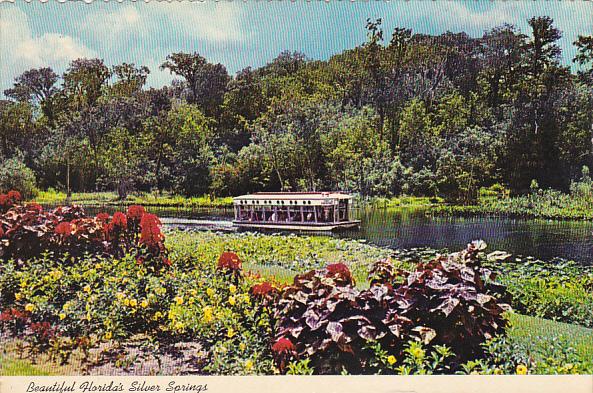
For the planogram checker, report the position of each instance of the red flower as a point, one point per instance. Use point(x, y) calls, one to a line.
point(104, 217)
point(150, 230)
point(64, 229)
point(14, 196)
point(5, 201)
point(167, 261)
point(262, 289)
point(1, 231)
point(283, 345)
point(135, 212)
point(229, 261)
point(339, 269)
point(119, 220)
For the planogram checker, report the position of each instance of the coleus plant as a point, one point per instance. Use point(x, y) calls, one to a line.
point(329, 320)
point(450, 301)
point(457, 298)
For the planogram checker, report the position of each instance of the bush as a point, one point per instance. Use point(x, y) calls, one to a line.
point(15, 175)
point(26, 231)
point(449, 302)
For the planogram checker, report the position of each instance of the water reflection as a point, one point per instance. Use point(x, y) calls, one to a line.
point(407, 228)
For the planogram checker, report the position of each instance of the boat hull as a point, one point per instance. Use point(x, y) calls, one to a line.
point(313, 227)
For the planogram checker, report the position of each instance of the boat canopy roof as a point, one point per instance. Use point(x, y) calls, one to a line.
point(286, 198)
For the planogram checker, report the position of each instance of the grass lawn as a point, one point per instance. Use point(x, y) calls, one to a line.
point(142, 198)
point(10, 365)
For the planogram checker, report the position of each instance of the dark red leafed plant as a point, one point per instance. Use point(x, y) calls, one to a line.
point(331, 321)
point(340, 272)
point(63, 229)
point(229, 261)
point(28, 231)
point(456, 298)
point(14, 319)
point(41, 334)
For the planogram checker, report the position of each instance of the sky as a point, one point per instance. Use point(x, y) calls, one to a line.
point(240, 34)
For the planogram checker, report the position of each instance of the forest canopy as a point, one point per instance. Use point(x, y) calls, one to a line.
point(402, 113)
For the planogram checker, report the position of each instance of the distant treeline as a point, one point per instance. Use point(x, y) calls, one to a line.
point(407, 114)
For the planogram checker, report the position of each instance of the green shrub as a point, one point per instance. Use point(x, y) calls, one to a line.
point(15, 175)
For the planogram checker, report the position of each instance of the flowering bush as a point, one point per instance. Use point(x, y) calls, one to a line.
point(28, 230)
point(9, 199)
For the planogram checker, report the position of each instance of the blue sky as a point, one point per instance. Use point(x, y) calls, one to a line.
point(240, 34)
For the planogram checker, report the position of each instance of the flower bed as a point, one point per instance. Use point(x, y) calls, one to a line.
point(209, 312)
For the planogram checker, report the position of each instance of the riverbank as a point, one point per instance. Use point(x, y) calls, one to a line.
point(545, 204)
point(167, 199)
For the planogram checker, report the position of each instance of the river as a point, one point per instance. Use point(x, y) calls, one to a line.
point(413, 227)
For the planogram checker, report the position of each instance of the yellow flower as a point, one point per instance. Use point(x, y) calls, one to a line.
point(133, 302)
point(391, 359)
point(144, 303)
point(126, 302)
point(98, 266)
point(62, 316)
point(207, 318)
point(87, 289)
point(248, 365)
point(242, 346)
point(521, 369)
point(179, 325)
point(418, 352)
point(66, 306)
point(193, 292)
point(108, 335)
point(55, 274)
point(230, 333)
point(119, 296)
point(178, 300)
point(210, 292)
point(497, 371)
point(18, 296)
point(30, 307)
point(232, 288)
point(232, 300)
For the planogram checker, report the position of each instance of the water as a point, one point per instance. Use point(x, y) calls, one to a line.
point(409, 227)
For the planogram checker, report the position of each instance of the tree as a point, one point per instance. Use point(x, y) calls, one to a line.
point(129, 79)
point(84, 82)
point(543, 49)
point(37, 87)
point(205, 81)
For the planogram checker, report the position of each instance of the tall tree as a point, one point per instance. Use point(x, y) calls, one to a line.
point(205, 81)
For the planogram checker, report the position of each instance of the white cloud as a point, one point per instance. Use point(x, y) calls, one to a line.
point(210, 21)
point(124, 18)
point(20, 50)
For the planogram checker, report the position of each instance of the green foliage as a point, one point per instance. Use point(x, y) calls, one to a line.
point(15, 175)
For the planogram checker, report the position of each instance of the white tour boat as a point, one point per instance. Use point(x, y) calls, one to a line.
point(306, 211)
